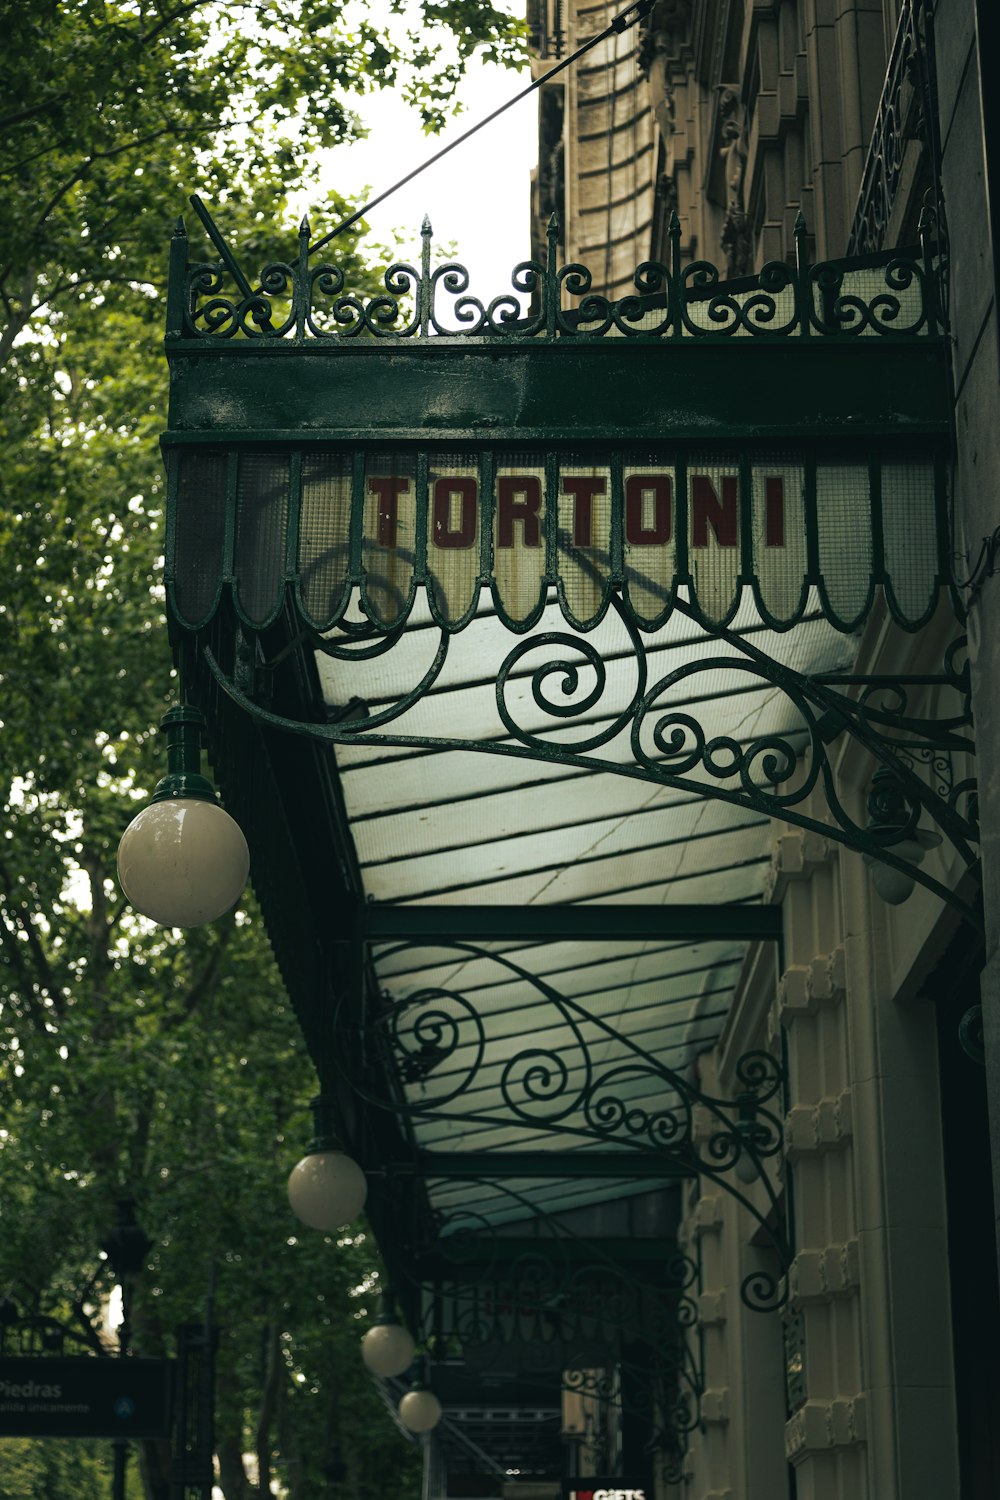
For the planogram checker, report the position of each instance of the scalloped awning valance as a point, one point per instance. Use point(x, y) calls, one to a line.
point(328, 526)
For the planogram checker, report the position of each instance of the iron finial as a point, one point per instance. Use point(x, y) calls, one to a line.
point(800, 223)
point(425, 228)
point(180, 228)
point(674, 224)
point(304, 227)
point(553, 225)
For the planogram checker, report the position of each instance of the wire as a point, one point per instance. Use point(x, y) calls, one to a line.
point(628, 17)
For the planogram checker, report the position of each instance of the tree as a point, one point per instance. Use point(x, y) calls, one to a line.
point(122, 108)
point(134, 1059)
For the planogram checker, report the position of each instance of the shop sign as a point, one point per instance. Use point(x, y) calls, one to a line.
point(796, 532)
point(605, 1489)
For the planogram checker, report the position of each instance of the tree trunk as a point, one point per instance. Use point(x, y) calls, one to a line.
point(273, 1369)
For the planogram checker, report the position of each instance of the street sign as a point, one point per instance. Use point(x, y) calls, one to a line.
point(85, 1397)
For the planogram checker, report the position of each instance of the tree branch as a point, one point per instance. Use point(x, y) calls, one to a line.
point(31, 111)
point(178, 15)
point(270, 1387)
point(203, 982)
point(10, 945)
point(45, 980)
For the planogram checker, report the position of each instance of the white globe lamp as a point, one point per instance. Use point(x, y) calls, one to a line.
point(420, 1410)
point(387, 1348)
point(327, 1188)
point(183, 860)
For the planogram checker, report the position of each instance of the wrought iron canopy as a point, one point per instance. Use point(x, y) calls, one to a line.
point(507, 963)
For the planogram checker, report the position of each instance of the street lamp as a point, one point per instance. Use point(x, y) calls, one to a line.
point(420, 1410)
point(746, 1130)
point(387, 1348)
point(183, 860)
point(893, 822)
point(326, 1189)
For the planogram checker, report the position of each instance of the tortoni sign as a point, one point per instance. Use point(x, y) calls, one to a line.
point(649, 524)
point(781, 438)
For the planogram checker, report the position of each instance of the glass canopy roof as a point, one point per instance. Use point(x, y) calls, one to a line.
point(509, 1046)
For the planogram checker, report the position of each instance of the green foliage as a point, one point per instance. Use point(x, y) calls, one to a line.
point(117, 111)
point(80, 1468)
point(133, 1059)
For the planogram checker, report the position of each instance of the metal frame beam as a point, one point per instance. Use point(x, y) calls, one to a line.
point(488, 1165)
point(602, 923)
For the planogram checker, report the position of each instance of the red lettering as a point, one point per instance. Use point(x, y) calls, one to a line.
point(519, 498)
point(387, 488)
point(465, 488)
point(774, 510)
point(583, 488)
point(707, 510)
point(637, 487)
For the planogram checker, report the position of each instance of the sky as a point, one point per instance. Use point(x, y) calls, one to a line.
point(477, 198)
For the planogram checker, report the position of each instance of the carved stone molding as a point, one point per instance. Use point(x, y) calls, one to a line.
point(823, 1275)
point(715, 1406)
point(659, 59)
point(804, 989)
point(712, 1309)
point(797, 855)
point(707, 1217)
point(826, 1126)
point(819, 1426)
point(737, 239)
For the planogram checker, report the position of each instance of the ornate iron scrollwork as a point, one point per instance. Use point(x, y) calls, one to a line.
point(553, 1301)
point(435, 1041)
point(296, 302)
point(907, 112)
point(774, 774)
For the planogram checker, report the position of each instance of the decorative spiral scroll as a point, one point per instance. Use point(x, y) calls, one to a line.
point(763, 1292)
point(561, 676)
point(760, 1072)
point(840, 312)
point(325, 282)
point(249, 316)
point(536, 1085)
point(637, 316)
point(428, 1030)
point(610, 1115)
point(760, 769)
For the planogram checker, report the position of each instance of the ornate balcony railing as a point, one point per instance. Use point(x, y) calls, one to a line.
point(906, 115)
point(297, 302)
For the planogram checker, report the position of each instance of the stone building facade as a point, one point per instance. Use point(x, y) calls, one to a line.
point(881, 1381)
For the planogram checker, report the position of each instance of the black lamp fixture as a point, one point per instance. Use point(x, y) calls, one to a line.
point(893, 821)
